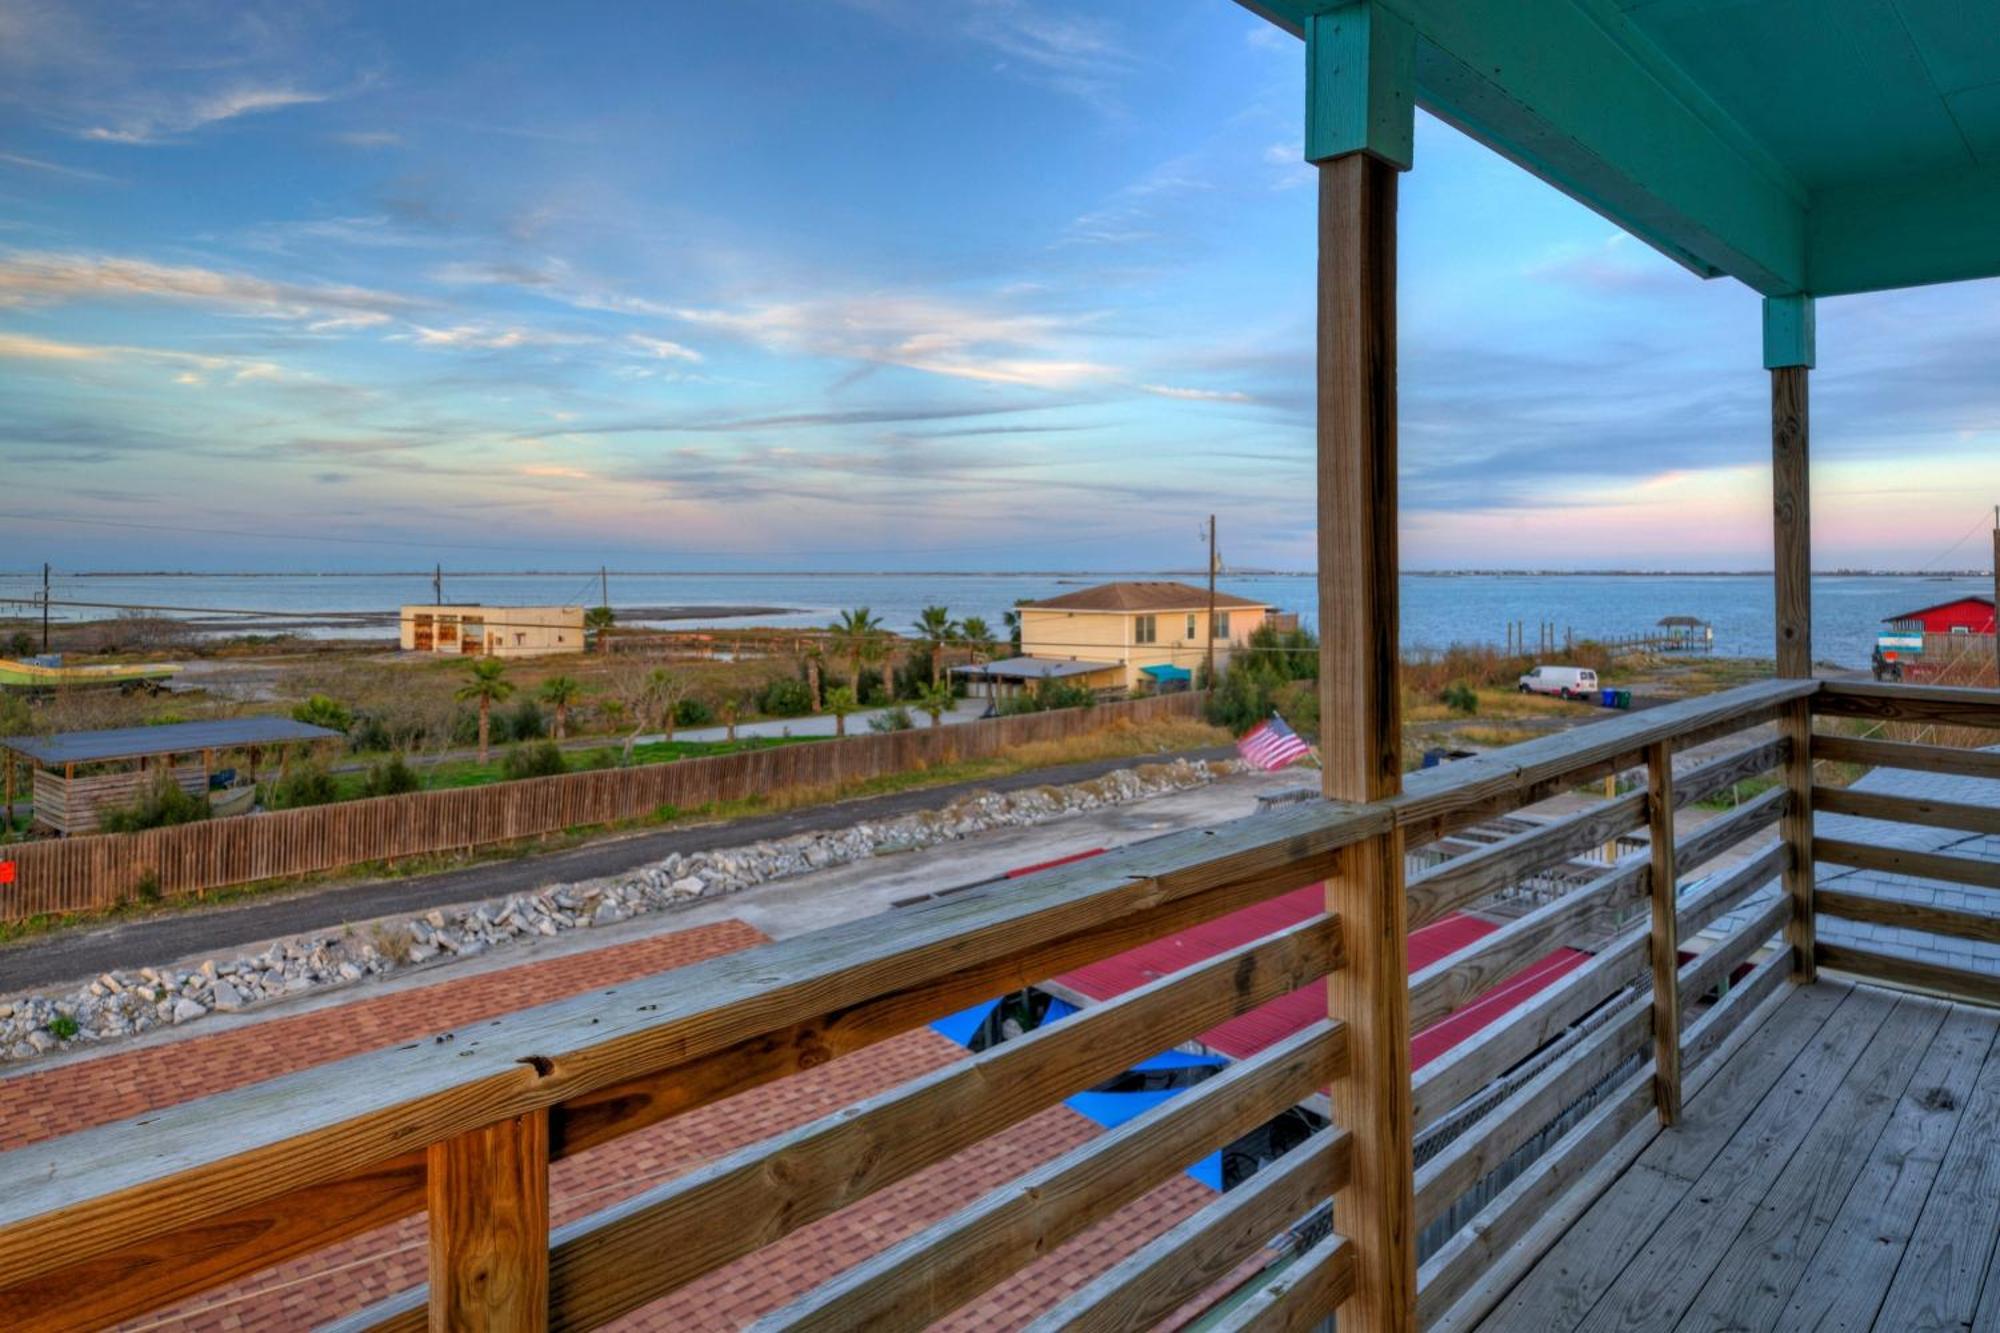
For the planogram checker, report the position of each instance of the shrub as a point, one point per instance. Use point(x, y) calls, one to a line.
point(15, 720)
point(63, 1027)
point(163, 802)
point(1047, 695)
point(20, 644)
point(308, 784)
point(391, 777)
point(785, 697)
point(148, 887)
point(322, 711)
point(540, 760)
point(1460, 698)
point(692, 713)
point(523, 722)
point(465, 725)
point(892, 719)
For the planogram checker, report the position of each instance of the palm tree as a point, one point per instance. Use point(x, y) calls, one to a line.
point(937, 699)
point(841, 701)
point(935, 628)
point(599, 620)
point(977, 636)
point(815, 659)
point(488, 686)
point(559, 692)
point(1012, 619)
point(857, 636)
point(664, 691)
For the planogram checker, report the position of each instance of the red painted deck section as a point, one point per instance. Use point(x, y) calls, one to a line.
point(1265, 1026)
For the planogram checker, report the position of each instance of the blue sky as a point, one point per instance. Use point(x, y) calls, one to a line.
point(857, 284)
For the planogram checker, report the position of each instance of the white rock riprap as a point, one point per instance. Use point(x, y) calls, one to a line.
point(123, 1004)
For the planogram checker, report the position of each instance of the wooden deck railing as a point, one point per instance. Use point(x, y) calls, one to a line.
point(1520, 1125)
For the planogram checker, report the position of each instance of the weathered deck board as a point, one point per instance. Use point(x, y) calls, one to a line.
point(1841, 1171)
point(1842, 1288)
point(1560, 1291)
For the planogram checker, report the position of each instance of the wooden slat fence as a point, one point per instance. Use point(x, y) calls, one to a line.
point(106, 870)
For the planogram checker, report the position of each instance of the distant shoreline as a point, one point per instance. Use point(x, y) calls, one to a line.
point(425, 574)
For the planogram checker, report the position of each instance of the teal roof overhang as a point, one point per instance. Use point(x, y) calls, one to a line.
point(1801, 146)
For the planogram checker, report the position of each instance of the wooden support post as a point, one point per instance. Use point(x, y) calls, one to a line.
point(1665, 944)
point(1361, 723)
point(488, 1193)
point(1789, 354)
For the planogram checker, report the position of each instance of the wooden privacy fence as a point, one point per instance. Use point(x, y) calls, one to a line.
point(105, 870)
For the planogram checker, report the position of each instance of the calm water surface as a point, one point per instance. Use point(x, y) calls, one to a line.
point(1436, 610)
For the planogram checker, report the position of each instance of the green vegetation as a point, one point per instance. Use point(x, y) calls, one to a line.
point(63, 1027)
point(540, 760)
point(20, 644)
point(308, 784)
point(859, 637)
point(321, 711)
point(487, 687)
point(1275, 672)
point(937, 700)
point(1047, 696)
point(561, 694)
point(163, 802)
point(391, 777)
point(1459, 697)
point(840, 701)
point(599, 620)
point(786, 698)
point(896, 718)
point(935, 628)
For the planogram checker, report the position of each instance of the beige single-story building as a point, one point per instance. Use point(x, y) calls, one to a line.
point(1152, 633)
point(463, 629)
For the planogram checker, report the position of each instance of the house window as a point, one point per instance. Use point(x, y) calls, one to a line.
point(1189, 636)
point(1221, 624)
point(1145, 629)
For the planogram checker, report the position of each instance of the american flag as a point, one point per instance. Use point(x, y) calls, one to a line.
point(1271, 745)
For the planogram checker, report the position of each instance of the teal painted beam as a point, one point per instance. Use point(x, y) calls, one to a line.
point(1360, 84)
point(1571, 91)
point(1790, 332)
point(1905, 233)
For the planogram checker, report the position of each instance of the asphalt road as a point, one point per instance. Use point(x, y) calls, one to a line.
point(158, 939)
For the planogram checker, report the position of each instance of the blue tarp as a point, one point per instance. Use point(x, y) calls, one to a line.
point(961, 1025)
point(1112, 1109)
point(1167, 672)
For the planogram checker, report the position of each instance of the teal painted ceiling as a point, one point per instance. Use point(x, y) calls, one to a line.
point(1824, 146)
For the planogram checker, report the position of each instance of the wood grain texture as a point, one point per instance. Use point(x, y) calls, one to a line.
point(1922, 811)
point(1488, 1142)
point(1700, 911)
point(1897, 912)
point(1462, 1072)
point(488, 1199)
point(1911, 974)
point(1457, 980)
point(1298, 1300)
point(1791, 508)
point(1942, 705)
point(1181, 1263)
point(931, 1273)
point(1360, 692)
point(619, 1259)
point(1906, 754)
point(1903, 861)
point(1663, 949)
point(1719, 835)
point(1795, 830)
point(1450, 885)
point(345, 1119)
point(1712, 967)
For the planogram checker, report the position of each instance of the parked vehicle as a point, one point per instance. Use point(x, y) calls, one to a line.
point(1569, 682)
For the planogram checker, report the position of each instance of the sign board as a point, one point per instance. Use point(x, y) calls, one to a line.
point(6, 872)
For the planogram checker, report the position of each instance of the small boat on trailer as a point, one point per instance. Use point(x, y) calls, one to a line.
point(49, 672)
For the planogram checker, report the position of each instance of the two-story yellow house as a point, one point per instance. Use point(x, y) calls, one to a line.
point(1138, 633)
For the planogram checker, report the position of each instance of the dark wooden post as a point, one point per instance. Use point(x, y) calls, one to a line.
point(488, 1192)
point(1666, 940)
point(1788, 354)
point(1360, 121)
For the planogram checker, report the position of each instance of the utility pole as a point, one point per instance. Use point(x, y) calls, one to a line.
point(45, 607)
point(437, 585)
point(1211, 598)
point(603, 585)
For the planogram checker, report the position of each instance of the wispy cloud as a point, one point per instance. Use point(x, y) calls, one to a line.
point(179, 116)
point(52, 168)
point(367, 138)
point(663, 348)
point(1052, 45)
point(190, 368)
point(489, 337)
point(1197, 395)
point(52, 278)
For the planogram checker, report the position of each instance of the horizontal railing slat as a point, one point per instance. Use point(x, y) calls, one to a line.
point(174, 1168)
point(1719, 835)
point(1958, 816)
point(1712, 967)
point(1910, 973)
point(1907, 861)
point(1937, 919)
point(1450, 885)
point(1298, 1299)
point(1181, 1263)
point(1908, 754)
point(1940, 705)
point(926, 1276)
point(644, 1247)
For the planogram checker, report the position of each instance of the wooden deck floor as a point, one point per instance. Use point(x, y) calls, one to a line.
point(1841, 1170)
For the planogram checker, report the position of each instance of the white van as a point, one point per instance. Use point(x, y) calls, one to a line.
point(1569, 682)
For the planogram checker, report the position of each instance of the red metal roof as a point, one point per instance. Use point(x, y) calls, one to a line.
point(1972, 615)
point(1262, 1027)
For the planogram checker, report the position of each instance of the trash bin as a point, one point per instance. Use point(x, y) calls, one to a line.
point(1608, 698)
